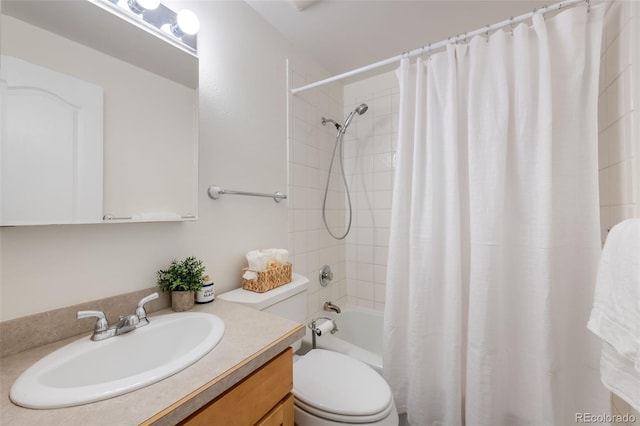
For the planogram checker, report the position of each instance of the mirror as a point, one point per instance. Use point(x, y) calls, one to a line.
point(150, 99)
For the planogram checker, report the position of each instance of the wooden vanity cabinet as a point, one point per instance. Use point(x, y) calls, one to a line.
point(280, 415)
point(262, 399)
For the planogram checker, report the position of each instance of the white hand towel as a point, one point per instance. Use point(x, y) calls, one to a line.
point(281, 256)
point(615, 316)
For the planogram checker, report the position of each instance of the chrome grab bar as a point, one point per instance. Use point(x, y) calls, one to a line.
point(215, 192)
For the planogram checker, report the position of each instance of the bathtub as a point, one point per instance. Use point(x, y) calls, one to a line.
point(359, 335)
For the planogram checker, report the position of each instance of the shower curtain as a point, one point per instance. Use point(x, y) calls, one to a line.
point(495, 236)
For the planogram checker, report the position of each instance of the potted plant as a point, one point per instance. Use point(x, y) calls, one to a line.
point(183, 279)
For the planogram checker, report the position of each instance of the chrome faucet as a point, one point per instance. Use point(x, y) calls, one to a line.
point(328, 306)
point(103, 330)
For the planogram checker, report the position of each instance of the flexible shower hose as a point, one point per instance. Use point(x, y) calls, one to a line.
point(339, 141)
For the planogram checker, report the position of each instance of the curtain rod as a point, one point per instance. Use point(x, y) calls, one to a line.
point(434, 46)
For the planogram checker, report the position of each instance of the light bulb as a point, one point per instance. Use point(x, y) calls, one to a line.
point(188, 22)
point(149, 4)
point(139, 6)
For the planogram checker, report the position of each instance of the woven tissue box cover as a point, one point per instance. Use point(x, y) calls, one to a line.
point(269, 279)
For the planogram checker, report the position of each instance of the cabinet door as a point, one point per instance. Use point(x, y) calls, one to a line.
point(248, 402)
point(281, 415)
point(50, 146)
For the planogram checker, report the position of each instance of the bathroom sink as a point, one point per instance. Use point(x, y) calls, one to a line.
point(87, 371)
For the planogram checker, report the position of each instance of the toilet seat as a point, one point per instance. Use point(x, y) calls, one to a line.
point(336, 387)
point(340, 418)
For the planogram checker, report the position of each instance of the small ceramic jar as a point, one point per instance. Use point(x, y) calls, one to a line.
point(206, 294)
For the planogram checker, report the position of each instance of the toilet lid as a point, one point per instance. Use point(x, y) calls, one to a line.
point(335, 383)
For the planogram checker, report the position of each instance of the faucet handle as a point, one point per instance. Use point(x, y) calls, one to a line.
point(147, 299)
point(101, 324)
point(140, 312)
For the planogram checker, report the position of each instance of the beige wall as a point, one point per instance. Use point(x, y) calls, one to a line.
point(242, 145)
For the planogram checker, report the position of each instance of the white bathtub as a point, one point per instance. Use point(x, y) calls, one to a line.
point(359, 336)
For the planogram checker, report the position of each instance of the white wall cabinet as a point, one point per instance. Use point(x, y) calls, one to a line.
point(149, 127)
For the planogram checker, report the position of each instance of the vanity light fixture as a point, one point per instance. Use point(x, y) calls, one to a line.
point(180, 28)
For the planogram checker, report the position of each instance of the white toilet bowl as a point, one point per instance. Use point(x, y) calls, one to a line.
point(329, 388)
point(333, 389)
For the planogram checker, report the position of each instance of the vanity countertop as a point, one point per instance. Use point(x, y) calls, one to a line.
point(251, 338)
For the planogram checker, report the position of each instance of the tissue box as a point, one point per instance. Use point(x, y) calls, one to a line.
point(269, 279)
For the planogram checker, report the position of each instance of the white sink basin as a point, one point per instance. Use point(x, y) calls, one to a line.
point(86, 371)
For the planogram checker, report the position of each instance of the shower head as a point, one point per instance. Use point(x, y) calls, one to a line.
point(360, 109)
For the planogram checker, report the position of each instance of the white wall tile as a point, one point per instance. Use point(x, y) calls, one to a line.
point(382, 143)
point(605, 187)
point(383, 200)
point(365, 290)
point(369, 304)
point(604, 117)
point(381, 254)
point(381, 105)
point(383, 181)
point(604, 148)
point(382, 236)
point(383, 125)
point(371, 177)
point(603, 72)
point(617, 17)
point(365, 272)
point(364, 254)
point(619, 173)
point(365, 236)
point(618, 55)
point(379, 293)
point(380, 274)
point(617, 139)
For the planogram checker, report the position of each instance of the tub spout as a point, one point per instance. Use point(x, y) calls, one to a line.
point(328, 306)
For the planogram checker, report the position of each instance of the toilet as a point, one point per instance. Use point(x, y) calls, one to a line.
point(329, 388)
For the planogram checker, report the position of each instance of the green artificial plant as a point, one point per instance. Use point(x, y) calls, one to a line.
point(187, 275)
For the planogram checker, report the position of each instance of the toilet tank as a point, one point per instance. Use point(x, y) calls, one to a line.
point(288, 301)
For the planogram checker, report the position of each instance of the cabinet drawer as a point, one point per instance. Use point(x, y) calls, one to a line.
point(281, 415)
point(250, 400)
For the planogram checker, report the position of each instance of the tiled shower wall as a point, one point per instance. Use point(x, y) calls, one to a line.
point(370, 153)
point(619, 121)
point(310, 146)
point(619, 126)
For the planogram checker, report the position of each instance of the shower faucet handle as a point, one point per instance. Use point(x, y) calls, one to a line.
point(326, 276)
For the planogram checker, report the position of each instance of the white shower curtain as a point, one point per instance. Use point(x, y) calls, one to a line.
point(495, 230)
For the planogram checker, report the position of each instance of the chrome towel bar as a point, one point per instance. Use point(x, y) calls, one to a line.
point(215, 192)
